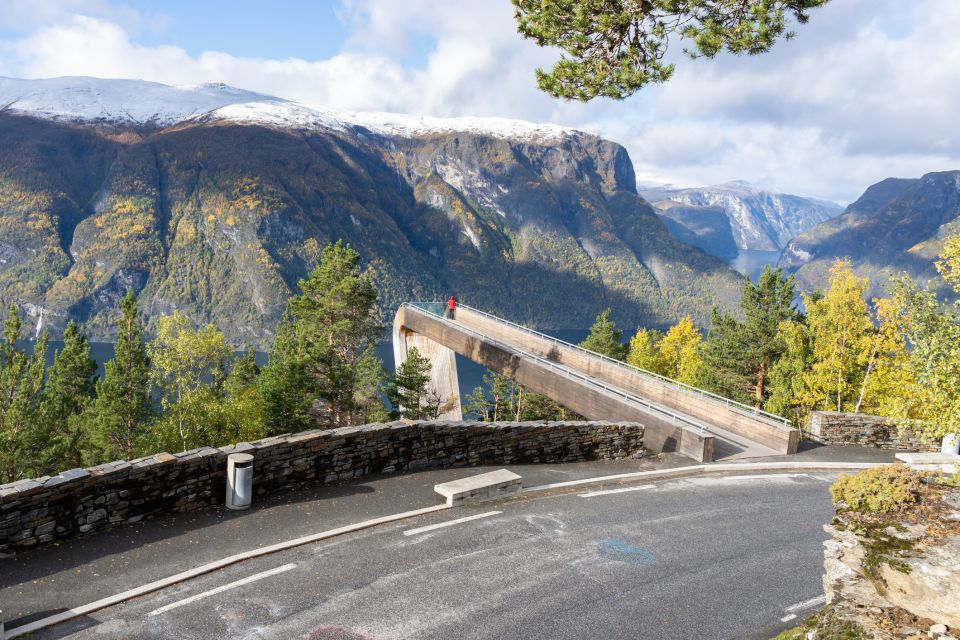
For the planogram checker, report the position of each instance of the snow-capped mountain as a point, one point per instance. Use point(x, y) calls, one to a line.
point(759, 220)
point(141, 103)
point(215, 201)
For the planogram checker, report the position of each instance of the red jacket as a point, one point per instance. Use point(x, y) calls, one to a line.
point(452, 303)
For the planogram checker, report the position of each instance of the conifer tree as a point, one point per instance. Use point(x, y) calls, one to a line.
point(123, 409)
point(409, 390)
point(63, 442)
point(335, 325)
point(605, 338)
point(739, 355)
point(612, 48)
point(285, 388)
point(21, 382)
point(241, 417)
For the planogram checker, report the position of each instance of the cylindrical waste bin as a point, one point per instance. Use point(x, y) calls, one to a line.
point(239, 480)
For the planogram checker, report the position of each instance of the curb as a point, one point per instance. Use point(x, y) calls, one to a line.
point(693, 470)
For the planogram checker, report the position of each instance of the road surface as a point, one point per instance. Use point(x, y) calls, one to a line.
point(732, 556)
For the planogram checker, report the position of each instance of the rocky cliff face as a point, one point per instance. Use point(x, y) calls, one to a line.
point(219, 204)
point(896, 226)
point(758, 220)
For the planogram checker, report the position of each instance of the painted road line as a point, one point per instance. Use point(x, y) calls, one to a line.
point(449, 523)
point(768, 476)
point(806, 604)
point(103, 603)
point(221, 589)
point(606, 492)
point(788, 617)
point(713, 467)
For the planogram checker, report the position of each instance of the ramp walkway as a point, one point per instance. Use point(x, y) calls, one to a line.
point(677, 417)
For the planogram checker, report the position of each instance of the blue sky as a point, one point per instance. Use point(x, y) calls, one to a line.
point(868, 89)
point(248, 28)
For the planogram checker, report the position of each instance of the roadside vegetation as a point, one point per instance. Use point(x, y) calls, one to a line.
point(837, 351)
point(187, 388)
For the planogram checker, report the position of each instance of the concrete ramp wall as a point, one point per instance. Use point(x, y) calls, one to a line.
point(589, 398)
point(728, 416)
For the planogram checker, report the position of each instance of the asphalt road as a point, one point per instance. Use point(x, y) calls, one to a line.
point(706, 557)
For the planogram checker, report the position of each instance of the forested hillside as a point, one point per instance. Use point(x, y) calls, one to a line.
point(896, 226)
point(219, 216)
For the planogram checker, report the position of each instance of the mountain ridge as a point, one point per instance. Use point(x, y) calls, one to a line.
point(758, 219)
point(896, 226)
point(219, 217)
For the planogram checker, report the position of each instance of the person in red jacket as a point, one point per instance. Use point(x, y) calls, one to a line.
point(452, 307)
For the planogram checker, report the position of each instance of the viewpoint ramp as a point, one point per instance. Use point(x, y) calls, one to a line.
point(742, 428)
point(596, 387)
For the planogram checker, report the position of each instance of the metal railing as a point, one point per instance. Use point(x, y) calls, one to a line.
point(677, 418)
point(733, 405)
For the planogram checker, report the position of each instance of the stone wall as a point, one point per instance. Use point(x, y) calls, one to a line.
point(38, 511)
point(831, 427)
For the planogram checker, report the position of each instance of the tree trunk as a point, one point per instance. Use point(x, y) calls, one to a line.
point(761, 381)
point(866, 377)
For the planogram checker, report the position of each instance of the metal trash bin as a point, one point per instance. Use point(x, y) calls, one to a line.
point(239, 481)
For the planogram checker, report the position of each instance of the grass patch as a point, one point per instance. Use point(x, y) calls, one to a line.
point(827, 625)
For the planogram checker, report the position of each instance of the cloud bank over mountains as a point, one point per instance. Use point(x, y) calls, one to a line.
point(868, 89)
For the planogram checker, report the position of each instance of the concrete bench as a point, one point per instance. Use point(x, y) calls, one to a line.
point(486, 486)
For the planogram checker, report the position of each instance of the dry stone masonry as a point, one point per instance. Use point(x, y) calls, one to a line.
point(832, 427)
point(38, 511)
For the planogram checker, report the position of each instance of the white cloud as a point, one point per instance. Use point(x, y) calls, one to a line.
point(868, 89)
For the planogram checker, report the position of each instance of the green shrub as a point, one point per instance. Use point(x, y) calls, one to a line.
point(878, 490)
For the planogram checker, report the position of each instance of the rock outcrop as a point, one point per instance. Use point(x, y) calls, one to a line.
point(899, 578)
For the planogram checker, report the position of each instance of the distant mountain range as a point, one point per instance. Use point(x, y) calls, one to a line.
point(896, 226)
point(215, 201)
point(728, 218)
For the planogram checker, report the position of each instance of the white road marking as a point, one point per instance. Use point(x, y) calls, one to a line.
point(449, 523)
point(788, 617)
point(712, 468)
point(156, 585)
point(807, 603)
point(592, 494)
point(767, 476)
point(221, 589)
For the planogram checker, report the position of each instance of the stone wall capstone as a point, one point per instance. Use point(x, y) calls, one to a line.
point(832, 427)
point(38, 511)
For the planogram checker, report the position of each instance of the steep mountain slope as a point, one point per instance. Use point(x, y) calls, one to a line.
point(758, 220)
point(896, 226)
point(217, 204)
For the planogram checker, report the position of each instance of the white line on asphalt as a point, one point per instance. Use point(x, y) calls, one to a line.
point(103, 603)
point(788, 617)
point(713, 467)
point(606, 492)
point(806, 603)
point(449, 523)
point(221, 589)
point(768, 476)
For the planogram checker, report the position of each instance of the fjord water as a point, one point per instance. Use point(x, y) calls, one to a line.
point(751, 263)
